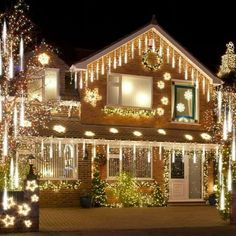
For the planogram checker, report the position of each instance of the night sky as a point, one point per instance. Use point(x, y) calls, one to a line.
point(201, 28)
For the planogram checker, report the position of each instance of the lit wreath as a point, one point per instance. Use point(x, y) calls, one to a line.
point(147, 64)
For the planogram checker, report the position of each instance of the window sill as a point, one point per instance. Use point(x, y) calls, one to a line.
point(138, 179)
point(185, 123)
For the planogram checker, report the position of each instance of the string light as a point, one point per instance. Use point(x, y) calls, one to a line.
point(23, 209)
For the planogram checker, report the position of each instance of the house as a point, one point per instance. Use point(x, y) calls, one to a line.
point(141, 102)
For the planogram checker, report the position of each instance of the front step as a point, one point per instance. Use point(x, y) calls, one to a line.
point(197, 203)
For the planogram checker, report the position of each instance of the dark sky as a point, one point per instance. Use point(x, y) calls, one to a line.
point(202, 27)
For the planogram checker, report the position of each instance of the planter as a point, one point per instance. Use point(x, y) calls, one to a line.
point(85, 202)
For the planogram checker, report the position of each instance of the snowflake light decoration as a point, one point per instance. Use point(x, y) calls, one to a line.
point(24, 209)
point(28, 223)
point(167, 76)
point(92, 96)
point(188, 95)
point(160, 111)
point(10, 202)
point(164, 100)
point(34, 198)
point(31, 185)
point(160, 84)
point(180, 107)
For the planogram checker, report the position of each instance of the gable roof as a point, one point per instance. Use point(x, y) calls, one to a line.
point(161, 33)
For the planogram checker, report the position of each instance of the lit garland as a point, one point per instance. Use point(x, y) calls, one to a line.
point(157, 61)
point(133, 112)
point(166, 160)
point(59, 185)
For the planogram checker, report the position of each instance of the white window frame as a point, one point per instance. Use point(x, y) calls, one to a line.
point(119, 85)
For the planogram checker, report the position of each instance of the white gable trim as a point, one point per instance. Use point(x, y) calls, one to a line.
point(162, 34)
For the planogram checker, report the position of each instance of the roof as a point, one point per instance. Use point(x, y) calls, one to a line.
point(74, 129)
point(159, 31)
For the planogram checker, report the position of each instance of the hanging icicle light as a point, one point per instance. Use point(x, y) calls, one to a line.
point(108, 151)
point(186, 72)
point(183, 154)
point(192, 74)
point(11, 64)
point(5, 196)
point(86, 78)
point(132, 50)
point(15, 121)
point(220, 164)
point(59, 149)
point(180, 64)
point(12, 173)
point(219, 103)
point(160, 151)
point(233, 146)
point(229, 178)
point(16, 174)
point(225, 129)
point(21, 54)
point(120, 58)
point(168, 54)
point(126, 55)
point(149, 154)
point(51, 150)
point(76, 80)
point(146, 43)
point(22, 111)
point(208, 93)
point(222, 196)
point(139, 46)
point(204, 85)
point(84, 149)
point(94, 151)
point(134, 152)
point(5, 141)
point(160, 49)
point(97, 71)
point(102, 67)
point(194, 156)
point(153, 45)
point(217, 153)
point(229, 121)
point(91, 75)
point(173, 59)
point(4, 36)
point(109, 64)
point(42, 149)
point(1, 63)
point(114, 61)
point(173, 156)
point(120, 153)
point(81, 80)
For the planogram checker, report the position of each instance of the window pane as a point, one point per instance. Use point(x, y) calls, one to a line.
point(114, 167)
point(136, 91)
point(177, 168)
point(51, 84)
point(143, 164)
point(127, 160)
point(58, 163)
point(113, 95)
point(184, 102)
point(35, 89)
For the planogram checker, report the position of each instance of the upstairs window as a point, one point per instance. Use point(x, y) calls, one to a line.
point(45, 86)
point(184, 103)
point(129, 91)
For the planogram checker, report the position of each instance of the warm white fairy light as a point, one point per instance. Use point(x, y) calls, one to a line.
point(120, 59)
point(81, 80)
point(11, 64)
point(139, 47)
point(86, 78)
point(42, 149)
point(5, 141)
point(180, 64)
point(4, 36)
point(97, 71)
point(23, 209)
point(203, 153)
point(108, 151)
point(225, 129)
point(34, 198)
point(21, 54)
point(204, 85)
point(194, 155)
point(31, 185)
point(149, 154)
point(92, 75)
point(15, 121)
point(76, 80)
point(183, 153)
point(51, 150)
point(22, 111)
point(229, 121)
point(233, 146)
point(134, 152)
point(173, 156)
point(102, 67)
point(126, 55)
point(8, 221)
point(114, 61)
point(1, 63)
point(208, 93)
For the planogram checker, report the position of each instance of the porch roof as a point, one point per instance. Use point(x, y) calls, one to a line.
point(74, 129)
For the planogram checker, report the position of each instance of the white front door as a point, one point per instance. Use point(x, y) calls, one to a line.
point(185, 182)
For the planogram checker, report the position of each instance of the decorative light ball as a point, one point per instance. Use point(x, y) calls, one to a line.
point(188, 95)
point(167, 76)
point(43, 58)
point(160, 84)
point(180, 107)
point(160, 111)
point(164, 100)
